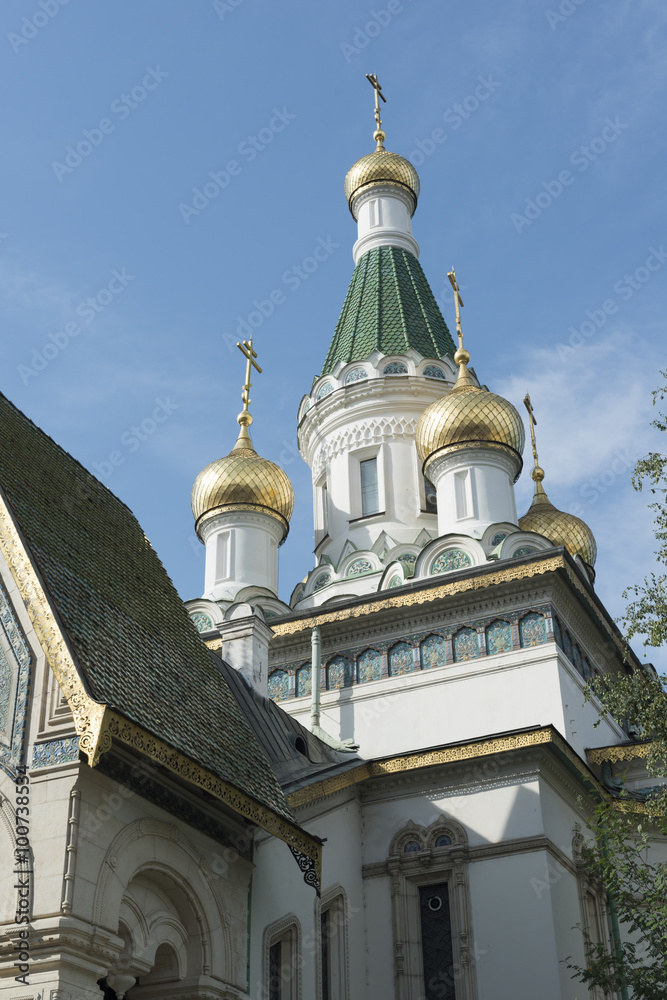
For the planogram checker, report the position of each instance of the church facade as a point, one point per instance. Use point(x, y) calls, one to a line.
point(376, 790)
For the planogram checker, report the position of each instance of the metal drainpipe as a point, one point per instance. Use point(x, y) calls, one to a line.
point(316, 666)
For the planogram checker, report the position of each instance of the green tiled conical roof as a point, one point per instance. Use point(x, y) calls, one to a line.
point(389, 307)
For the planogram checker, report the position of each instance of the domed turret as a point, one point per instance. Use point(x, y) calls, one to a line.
point(556, 525)
point(242, 505)
point(243, 480)
point(470, 443)
point(381, 169)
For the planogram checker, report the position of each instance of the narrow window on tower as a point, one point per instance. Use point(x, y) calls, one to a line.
point(325, 508)
point(369, 487)
point(437, 952)
point(332, 950)
point(461, 490)
point(275, 968)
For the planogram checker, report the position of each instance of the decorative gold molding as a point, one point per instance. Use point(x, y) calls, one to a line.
point(96, 724)
point(618, 753)
point(88, 713)
point(444, 755)
point(502, 574)
point(424, 596)
point(134, 736)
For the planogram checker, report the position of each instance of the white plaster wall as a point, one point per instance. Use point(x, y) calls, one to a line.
point(383, 217)
point(515, 942)
point(488, 490)
point(458, 702)
point(241, 551)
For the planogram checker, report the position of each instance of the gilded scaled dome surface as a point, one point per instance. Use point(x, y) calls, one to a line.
point(560, 528)
point(469, 414)
point(243, 479)
point(382, 167)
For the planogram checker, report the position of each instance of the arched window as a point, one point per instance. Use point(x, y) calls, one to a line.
point(282, 959)
point(401, 659)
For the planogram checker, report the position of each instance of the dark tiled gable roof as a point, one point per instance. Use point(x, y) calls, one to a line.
point(389, 307)
point(127, 626)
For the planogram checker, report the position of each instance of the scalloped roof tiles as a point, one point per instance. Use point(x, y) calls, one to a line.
point(389, 307)
point(127, 627)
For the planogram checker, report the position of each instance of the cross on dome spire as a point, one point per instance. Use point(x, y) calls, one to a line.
point(378, 135)
point(245, 417)
point(462, 357)
point(537, 474)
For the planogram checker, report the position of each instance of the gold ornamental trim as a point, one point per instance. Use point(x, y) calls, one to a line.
point(88, 714)
point(614, 754)
point(420, 596)
point(96, 724)
point(444, 755)
point(132, 735)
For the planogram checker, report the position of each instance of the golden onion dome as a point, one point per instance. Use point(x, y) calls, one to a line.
point(385, 168)
point(243, 481)
point(560, 528)
point(468, 415)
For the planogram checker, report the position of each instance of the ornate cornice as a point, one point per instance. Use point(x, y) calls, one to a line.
point(424, 595)
point(626, 751)
point(96, 724)
point(298, 840)
point(442, 755)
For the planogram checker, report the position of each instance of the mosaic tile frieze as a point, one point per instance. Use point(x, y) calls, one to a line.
point(395, 581)
point(498, 637)
point(432, 371)
point(499, 537)
point(450, 560)
point(54, 752)
point(359, 567)
point(525, 550)
point(324, 390)
point(304, 681)
point(15, 664)
point(532, 629)
point(369, 666)
point(433, 652)
point(395, 368)
point(201, 621)
point(465, 645)
point(339, 673)
point(279, 685)
point(356, 375)
point(427, 649)
point(321, 581)
point(401, 659)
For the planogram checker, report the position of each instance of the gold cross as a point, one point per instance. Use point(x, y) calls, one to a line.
point(533, 423)
point(249, 353)
point(379, 135)
point(458, 301)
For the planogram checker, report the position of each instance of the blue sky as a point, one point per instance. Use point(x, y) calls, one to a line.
point(537, 130)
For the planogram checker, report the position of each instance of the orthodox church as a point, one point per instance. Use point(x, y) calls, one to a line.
point(372, 791)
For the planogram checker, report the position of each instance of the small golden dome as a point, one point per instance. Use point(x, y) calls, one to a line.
point(382, 167)
point(468, 415)
point(560, 528)
point(240, 481)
